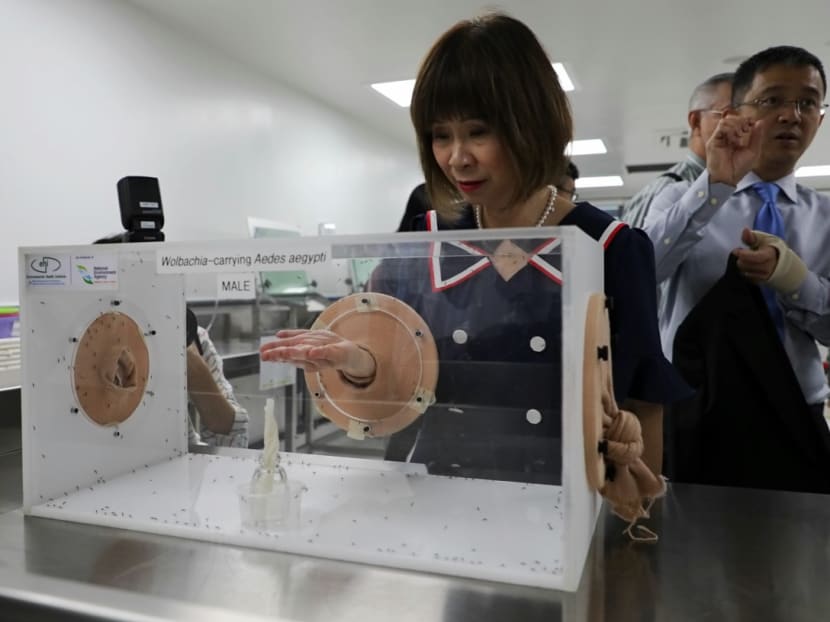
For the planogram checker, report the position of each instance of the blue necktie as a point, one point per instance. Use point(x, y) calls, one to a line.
point(769, 220)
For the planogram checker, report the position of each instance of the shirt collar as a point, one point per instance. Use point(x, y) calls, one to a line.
point(696, 160)
point(786, 183)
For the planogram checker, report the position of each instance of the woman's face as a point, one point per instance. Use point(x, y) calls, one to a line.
point(475, 161)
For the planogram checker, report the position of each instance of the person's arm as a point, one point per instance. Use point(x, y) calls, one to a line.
point(223, 421)
point(635, 210)
point(318, 349)
point(809, 307)
point(677, 219)
point(643, 379)
point(215, 412)
point(803, 294)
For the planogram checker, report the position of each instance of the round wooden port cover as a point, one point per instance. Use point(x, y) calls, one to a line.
point(406, 372)
point(111, 368)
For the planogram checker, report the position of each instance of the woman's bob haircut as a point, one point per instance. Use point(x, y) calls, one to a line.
point(492, 68)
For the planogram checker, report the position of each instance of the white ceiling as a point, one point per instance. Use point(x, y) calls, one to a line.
point(634, 62)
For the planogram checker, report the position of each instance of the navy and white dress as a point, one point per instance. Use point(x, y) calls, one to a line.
point(498, 401)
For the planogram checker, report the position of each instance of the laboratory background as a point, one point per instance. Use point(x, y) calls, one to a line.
point(289, 120)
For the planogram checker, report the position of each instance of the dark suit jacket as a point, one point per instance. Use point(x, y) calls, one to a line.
point(749, 424)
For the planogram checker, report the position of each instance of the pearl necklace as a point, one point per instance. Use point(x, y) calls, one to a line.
point(545, 213)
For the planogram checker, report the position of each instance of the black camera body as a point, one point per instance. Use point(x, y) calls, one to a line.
point(141, 210)
point(143, 219)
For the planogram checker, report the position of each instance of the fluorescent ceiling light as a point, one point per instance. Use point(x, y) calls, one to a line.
point(813, 171)
point(564, 79)
point(585, 147)
point(399, 91)
point(599, 182)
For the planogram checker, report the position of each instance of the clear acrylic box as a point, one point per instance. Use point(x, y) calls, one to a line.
point(486, 476)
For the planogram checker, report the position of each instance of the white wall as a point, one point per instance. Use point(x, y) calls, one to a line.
point(93, 90)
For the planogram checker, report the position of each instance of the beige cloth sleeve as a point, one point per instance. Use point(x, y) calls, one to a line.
point(790, 271)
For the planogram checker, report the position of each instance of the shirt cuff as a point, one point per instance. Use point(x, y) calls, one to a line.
point(707, 199)
point(808, 297)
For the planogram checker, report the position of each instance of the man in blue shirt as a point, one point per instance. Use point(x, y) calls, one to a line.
point(777, 108)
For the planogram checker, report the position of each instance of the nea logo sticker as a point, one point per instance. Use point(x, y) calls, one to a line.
point(236, 286)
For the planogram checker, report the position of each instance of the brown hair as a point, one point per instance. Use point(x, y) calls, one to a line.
point(493, 68)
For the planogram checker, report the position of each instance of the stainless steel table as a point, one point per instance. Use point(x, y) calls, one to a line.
point(724, 554)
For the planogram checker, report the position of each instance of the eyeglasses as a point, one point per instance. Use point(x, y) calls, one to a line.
point(572, 195)
point(718, 112)
point(806, 106)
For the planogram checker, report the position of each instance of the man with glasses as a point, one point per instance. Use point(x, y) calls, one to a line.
point(706, 106)
point(746, 207)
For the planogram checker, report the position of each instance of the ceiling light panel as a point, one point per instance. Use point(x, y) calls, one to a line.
point(399, 91)
point(586, 146)
point(607, 181)
point(813, 171)
point(564, 79)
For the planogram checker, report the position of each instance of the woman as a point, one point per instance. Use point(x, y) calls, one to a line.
point(492, 124)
